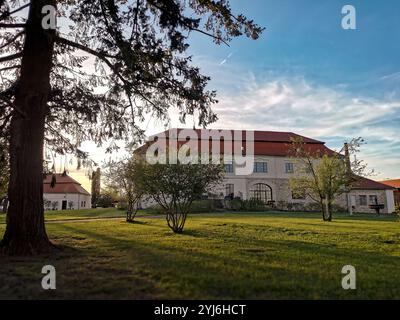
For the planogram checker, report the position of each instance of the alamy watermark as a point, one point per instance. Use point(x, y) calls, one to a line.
point(49, 280)
point(191, 146)
point(349, 20)
point(349, 280)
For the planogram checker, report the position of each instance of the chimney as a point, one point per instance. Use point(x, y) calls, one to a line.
point(347, 159)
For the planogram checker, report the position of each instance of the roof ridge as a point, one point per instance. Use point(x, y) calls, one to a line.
point(72, 180)
point(308, 139)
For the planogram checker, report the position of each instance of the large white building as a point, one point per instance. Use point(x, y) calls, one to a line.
point(273, 168)
point(66, 194)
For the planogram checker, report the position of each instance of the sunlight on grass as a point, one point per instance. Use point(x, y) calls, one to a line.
point(229, 256)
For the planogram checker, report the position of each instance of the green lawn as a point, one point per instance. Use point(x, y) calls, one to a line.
point(83, 214)
point(251, 256)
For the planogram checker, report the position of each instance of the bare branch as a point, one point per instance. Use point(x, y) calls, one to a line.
point(11, 57)
point(103, 57)
point(13, 106)
point(10, 68)
point(12, 40)
point(12, 25)
point(99, 54)
point(10, 13)
point(194, 29)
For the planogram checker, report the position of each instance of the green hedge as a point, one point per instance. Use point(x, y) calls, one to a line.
point(244, 205)
point(198, 206)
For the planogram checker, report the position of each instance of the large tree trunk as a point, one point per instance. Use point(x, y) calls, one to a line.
point(25, 233)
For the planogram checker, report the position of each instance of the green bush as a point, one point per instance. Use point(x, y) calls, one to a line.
point(105, 201)
point(233, 204)
point(122, 205)
point(244, 205)
point(338, 208)
point(253, 205)
point(313, 207)
point(198, 206)
point(397, 210)
point(205, 206)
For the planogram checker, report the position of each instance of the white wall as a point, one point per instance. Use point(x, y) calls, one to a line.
point(276, 170)
point(390, 201)
point(80, 201)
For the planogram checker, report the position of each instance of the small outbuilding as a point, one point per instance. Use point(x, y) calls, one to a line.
point(65, 194)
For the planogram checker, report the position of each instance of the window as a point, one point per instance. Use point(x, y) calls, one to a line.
point(229, 190)
point(262, 192)
point(363, 200)
point(373, 199)
point(260, 167)
point(229, 167)
point(289, 167)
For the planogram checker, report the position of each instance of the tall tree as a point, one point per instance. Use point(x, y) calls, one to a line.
point(95, 77)
point(96, 186)
point(4, 168)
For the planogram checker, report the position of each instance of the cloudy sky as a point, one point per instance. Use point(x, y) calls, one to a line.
point(308, 75)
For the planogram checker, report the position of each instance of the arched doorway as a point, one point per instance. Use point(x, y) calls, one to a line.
point(262, 192)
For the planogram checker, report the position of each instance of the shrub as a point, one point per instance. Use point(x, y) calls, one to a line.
point(244, 205)
point(313, 207)
point(397, 210)
point(205, 206)
point(338, 208)
point(253, 205)
point(122, 205)
point(233, 204)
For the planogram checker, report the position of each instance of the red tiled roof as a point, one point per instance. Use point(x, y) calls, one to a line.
point(64, 184)
point(395, 183)
point(364, 183)
point(270, 136)
point(266, 143)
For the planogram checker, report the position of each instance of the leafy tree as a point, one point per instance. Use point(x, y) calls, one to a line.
point(52, 92)
point(174, 187)
point(107, 198)
point(119, 176)
point(324, 177)
point(322, 180)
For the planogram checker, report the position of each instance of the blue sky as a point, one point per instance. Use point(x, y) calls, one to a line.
point(308, 75)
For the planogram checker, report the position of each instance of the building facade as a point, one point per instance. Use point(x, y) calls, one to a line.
point(395, 184)
point(274, 167)
point(66, 194)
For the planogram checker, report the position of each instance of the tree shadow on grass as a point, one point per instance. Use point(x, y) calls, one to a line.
point(282, 263)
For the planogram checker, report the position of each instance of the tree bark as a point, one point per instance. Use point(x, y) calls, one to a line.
point(25, 233)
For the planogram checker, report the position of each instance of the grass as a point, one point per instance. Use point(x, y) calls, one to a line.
point(219, 256)
point(83, 214)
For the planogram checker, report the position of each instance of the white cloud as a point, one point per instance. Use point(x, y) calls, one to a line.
point(294, 104)
point(319, 112)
